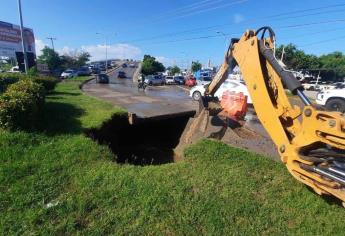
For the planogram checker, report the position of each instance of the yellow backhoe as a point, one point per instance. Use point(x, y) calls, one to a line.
point(310, 141)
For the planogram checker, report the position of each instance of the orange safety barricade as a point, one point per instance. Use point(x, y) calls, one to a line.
point(234, 104)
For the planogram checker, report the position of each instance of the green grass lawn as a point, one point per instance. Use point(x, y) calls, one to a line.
point(59, 182)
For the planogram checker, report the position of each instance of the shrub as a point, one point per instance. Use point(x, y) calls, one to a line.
point(47, 82)
point(21, 104)
point(6, 79)
point(33, 71)
point(9, 78)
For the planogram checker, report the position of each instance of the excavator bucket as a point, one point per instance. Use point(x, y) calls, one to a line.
point(214, 118)
point(234, 105)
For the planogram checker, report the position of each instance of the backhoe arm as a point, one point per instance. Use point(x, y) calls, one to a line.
point(310, 142)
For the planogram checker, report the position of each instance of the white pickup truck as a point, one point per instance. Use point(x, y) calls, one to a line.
point(333, 99)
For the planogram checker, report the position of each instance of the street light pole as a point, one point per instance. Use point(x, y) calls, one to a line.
point(22, 36)
point(106, 51)
point(226, 39)
point(187, 59)
point(106, 55)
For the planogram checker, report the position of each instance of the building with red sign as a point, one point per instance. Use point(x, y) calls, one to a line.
point(11, 46)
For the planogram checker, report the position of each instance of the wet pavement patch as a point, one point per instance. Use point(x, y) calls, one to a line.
point(145, 143)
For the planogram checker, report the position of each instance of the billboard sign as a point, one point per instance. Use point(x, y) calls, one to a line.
point(10, 40)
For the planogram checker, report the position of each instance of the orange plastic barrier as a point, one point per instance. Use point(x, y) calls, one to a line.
point(234, 104)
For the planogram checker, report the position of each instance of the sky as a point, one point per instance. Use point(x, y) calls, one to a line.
point(177, 31)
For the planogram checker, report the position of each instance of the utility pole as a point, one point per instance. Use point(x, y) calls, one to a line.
point(22, 36)
point(52, 41)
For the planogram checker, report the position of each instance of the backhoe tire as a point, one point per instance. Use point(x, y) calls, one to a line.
point(335, 104)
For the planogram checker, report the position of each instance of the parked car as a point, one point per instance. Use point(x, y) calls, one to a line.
point(169, 80)
point(14, 69)
point(154, 80)
point(113, 64)
point(95, 70)
point(228, 85)
point(132, 65)
point(84, 71)
point(124, 65)
point(121, 74)
point(204, 80)
point(190, 81)
point(333, 99)
point(102, 67)
point(102, 79)
point(179, 80)
point(69, 74)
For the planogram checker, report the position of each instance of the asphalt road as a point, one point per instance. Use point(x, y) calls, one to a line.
point(155, 101)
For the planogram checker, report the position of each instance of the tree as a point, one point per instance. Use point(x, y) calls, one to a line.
point(50, 57)
point(297, 59)
point(82, 58)
point(335, 61)
point(151, 66)
point(174, 70)
point(196, 66)
point(75, 59)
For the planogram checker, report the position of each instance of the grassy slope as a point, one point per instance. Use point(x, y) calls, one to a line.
point(216, 190)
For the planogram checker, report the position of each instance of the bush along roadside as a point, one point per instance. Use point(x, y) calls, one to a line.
point(20, 105)
point(7, 79)
point(47, 82)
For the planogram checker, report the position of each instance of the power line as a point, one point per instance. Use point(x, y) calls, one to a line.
point(180, 10)
point(246, 21)
point(189, 7)
point(232, 34)
point(204, 7)
point(209, 9)
point(312, 23)
point(322, 41)
point(313, 33)
point(283, 27)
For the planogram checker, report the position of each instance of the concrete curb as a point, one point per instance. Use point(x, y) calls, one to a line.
point(85, 82)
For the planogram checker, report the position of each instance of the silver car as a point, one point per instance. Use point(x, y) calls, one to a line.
point(69, 74)
point(154, 80)
point(169, 80)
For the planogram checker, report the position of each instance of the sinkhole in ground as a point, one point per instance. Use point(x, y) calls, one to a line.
point(149, 142)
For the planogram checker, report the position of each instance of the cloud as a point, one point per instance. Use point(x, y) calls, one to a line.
point(39, 44)
point(238, 18)
point(97, 52)
point(120, 51)
point(66, 50)
point(166, 61)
